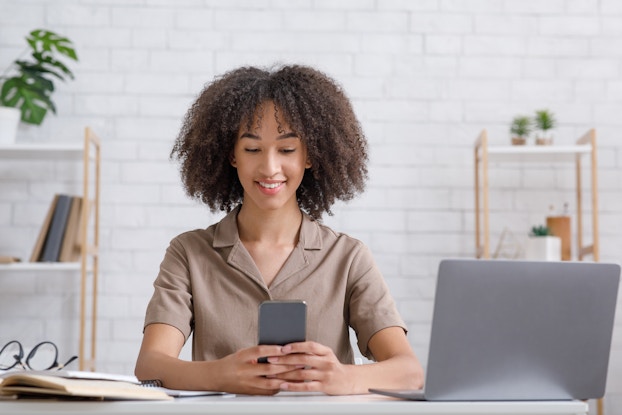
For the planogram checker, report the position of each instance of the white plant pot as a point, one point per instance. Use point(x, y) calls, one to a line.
point(544, 248)
point(9, 121)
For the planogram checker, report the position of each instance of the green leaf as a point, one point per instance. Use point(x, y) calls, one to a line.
point(44, 40)
point(36, 69)
point(26, 94)
point(53, 66)
point(36, 80)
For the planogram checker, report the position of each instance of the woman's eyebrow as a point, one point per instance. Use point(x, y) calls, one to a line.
point(250, 135)
point(290, 134)
point(280, 137)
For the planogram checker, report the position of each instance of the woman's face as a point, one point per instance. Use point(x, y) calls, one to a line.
point(270, 161)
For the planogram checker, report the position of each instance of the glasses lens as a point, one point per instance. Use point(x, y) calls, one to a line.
point(42, 357)
point(8, 355)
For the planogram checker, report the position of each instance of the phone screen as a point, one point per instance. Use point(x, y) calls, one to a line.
point(282, 322)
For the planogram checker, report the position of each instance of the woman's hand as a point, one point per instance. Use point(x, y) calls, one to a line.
point(241, 372)
point(312, 367)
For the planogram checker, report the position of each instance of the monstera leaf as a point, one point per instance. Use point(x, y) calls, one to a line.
point(31, 88)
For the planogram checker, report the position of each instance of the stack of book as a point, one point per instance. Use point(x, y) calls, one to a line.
point(59, 238)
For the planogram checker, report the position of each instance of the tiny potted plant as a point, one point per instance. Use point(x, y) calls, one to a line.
point(545, 122)
point(27, 85)
point(540, 230)
point(542, 245)
point(520, 129)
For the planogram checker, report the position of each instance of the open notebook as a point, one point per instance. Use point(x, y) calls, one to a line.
point(87, 385)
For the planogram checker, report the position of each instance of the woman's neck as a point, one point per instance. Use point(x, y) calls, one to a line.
point(279, 227)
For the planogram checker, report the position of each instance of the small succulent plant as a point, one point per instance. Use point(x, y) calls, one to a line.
point(540, 230)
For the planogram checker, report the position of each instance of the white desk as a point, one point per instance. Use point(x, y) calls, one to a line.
point(291, 404)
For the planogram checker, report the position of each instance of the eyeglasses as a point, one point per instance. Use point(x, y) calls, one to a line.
point(44, 356)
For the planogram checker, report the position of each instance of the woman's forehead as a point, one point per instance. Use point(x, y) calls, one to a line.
point(266, 110)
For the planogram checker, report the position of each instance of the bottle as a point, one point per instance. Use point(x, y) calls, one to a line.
point(559, 225)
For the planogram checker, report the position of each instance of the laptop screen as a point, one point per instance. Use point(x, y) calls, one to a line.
point(521, 330)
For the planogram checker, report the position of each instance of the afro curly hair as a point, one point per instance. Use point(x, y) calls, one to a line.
point(312, 104)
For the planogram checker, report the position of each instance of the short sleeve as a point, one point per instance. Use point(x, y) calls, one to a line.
point(171, 302)
point(371, 306)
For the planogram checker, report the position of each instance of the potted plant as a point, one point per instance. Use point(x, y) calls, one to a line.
point(542, 245)
point(540, 230)
point(27, 85)
point(520, 129)
point(545, 122)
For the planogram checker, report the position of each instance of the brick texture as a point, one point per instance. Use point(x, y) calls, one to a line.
point(425, 78)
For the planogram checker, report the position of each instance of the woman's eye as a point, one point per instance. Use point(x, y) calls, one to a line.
point(288, 150)
point(251, 150)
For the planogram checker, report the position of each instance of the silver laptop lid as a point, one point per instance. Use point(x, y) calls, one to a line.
point(514, 330)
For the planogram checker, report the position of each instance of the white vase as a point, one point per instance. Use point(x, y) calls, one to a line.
point(544, 248)
point(9, 121)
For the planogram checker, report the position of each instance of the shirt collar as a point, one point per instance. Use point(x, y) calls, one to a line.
point(226, 233)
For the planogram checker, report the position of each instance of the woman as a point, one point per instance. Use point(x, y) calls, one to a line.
point(274, 149)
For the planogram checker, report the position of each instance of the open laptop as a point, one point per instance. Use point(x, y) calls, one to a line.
point(519, 330)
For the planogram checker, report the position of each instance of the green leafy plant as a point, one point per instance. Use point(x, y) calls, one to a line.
point(31, 85)
point(521, 126)
point(545, 120)
point(540, 230)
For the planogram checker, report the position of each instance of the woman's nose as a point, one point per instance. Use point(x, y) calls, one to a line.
point(270, 163)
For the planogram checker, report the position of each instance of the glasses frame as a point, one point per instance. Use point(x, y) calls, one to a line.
point(25, 364)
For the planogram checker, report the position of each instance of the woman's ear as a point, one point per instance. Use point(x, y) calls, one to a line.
point(232, 160)
point(308, 164)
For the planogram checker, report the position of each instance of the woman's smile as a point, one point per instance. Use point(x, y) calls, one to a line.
point(270, 187)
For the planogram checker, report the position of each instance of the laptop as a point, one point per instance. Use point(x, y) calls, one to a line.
point(519, 330)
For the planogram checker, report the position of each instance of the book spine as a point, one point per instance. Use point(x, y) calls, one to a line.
point(38, 248)
point(54, 239)
point(70, 249)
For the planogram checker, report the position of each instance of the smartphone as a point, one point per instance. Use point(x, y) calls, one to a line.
point(282, 322)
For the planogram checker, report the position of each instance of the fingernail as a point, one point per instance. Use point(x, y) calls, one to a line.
point(286, 349)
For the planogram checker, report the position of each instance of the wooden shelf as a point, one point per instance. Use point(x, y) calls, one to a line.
point(485, 155)
point(89, 152)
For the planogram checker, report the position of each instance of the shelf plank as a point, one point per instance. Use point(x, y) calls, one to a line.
point(42, 151)
point(40, 266)
point(535, 153)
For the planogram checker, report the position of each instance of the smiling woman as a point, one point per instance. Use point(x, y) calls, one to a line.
point(311, 104)
point(270, 161)
point(275, 149)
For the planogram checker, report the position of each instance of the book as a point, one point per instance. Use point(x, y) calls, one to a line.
point(53, 384)
point(54, 238)
point(36, 252)
point(70, 248)
point(4, 259)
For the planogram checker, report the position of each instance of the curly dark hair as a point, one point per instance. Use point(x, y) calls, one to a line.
point(311, 103)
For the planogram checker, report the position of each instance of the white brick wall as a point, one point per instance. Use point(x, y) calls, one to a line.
point(425, 78)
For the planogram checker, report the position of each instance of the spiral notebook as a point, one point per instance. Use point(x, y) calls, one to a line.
point(155, 384)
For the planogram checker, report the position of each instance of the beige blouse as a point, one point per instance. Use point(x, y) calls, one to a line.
point(208, 284)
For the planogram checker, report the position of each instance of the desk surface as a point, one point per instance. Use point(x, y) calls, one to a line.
point(292, 404)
